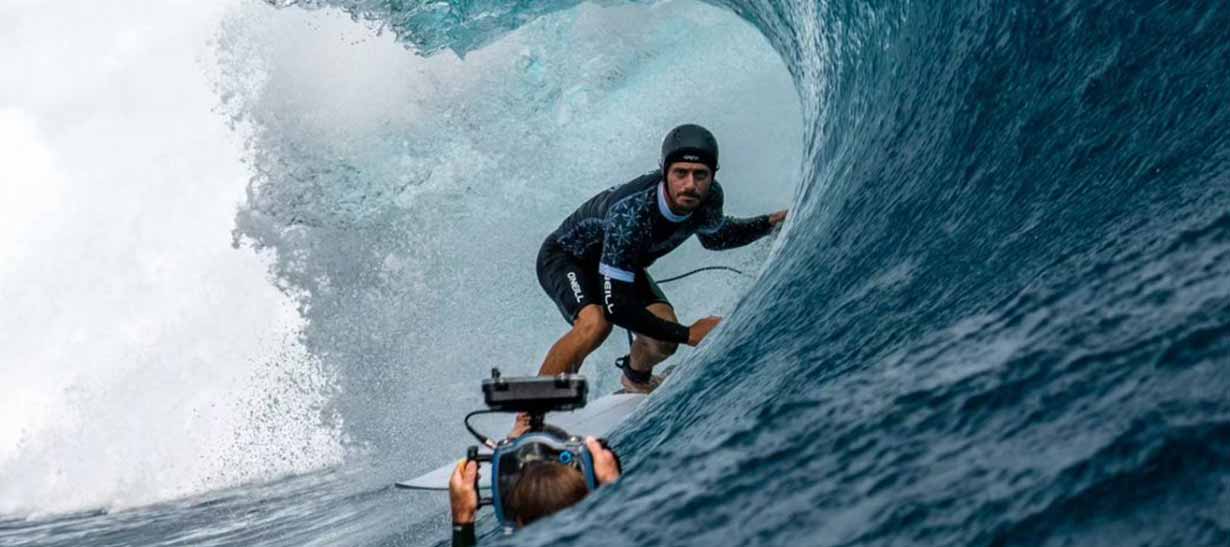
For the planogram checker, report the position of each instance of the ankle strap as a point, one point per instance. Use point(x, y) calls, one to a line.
point(641, 377)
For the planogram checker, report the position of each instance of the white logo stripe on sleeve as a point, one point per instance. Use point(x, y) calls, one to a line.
point(616, 273)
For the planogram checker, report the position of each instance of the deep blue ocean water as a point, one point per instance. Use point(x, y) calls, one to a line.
point(999, 315)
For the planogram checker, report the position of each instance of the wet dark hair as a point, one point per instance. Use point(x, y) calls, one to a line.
point(543, 489)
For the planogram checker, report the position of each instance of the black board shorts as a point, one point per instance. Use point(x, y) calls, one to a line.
point(573, 284)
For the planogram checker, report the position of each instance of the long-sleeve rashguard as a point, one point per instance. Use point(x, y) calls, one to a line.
point(624, 229)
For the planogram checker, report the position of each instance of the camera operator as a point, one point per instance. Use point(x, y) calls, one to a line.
point(543, 489)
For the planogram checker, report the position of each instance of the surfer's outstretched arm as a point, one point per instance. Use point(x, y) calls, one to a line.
point(624, 308)
point(736, 232)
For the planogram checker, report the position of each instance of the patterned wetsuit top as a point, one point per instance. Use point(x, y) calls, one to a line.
point(624, 229)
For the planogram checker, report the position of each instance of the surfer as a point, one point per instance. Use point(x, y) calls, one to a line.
point(594, 265)
point(544, 488)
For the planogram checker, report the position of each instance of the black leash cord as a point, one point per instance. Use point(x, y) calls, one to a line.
point(698, 270)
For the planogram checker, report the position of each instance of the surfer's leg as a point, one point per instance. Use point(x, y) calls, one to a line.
point(574, 290)
point(589, 329)
point(588, 332)
point(647, 352)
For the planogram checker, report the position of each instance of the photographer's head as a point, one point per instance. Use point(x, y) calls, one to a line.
point(546, 487)
point(543, 489)
point(536, 472)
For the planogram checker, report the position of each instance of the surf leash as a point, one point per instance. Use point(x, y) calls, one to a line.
point(698, 270)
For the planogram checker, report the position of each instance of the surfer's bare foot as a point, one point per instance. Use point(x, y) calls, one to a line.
point(641, 387)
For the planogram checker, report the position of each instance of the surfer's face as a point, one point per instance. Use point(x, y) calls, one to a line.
point(689, 185)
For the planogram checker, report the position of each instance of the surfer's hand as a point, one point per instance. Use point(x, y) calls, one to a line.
point(606, 467)
point(777, 218)
point(462, 495)
point(700, 329)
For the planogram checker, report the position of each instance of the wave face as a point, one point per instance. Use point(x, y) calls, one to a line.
point(999, 314)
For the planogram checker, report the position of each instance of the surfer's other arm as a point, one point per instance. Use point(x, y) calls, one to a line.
point(725, 232)
point(622, 307)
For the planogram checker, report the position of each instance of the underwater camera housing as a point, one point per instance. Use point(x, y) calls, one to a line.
point(542, 443)
point(534, 394)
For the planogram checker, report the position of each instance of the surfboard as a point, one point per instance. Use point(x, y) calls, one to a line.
point(597, 418)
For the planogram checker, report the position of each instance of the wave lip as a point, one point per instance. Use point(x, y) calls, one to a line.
point(430, 27)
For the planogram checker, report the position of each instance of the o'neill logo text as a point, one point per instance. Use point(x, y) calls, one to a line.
point(606, 291)
point(576, 287)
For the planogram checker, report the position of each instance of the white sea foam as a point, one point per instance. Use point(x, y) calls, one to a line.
point(140, 353)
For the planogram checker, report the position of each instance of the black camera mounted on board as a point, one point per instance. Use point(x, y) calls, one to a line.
point(535, 396)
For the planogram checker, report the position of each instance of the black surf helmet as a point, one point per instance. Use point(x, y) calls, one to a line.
point(689, 142)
